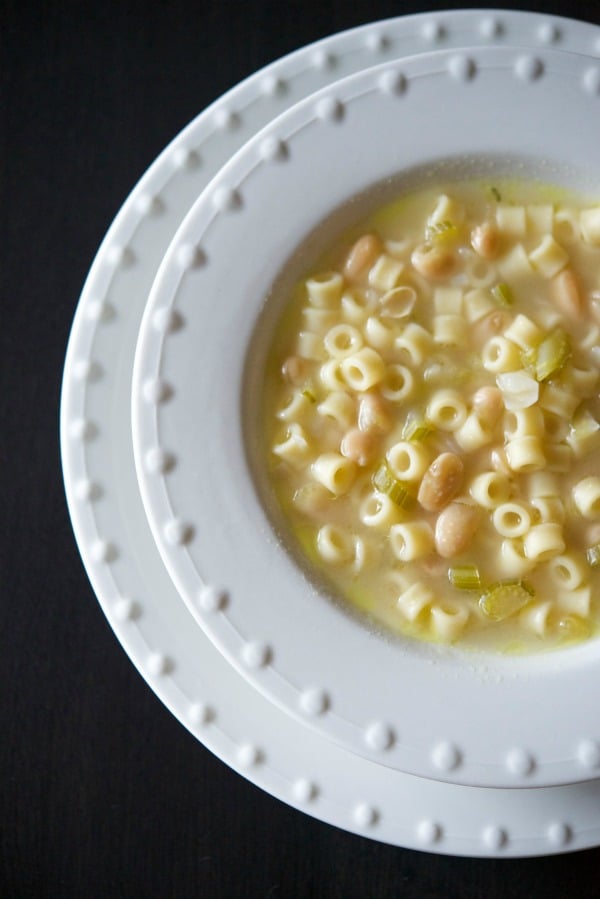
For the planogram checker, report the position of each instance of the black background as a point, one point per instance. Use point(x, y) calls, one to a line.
point(103, 793)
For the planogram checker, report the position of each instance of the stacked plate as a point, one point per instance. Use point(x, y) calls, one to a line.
point(412, 746)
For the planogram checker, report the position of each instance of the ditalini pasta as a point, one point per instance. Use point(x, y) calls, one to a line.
point(433, 416)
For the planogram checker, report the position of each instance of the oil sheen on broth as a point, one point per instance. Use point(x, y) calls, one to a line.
point(432, 416)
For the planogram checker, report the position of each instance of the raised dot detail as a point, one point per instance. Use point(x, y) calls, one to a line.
point(184, 158)
point(494, 837)
point(120, 256)
point(226, 199)
point(588, 753)
point(148, 204)
point(548, 33)
point(433, 31)
point(156, 391)
point(329, 109)
point(227, 119)
point(191, 256)
point(559, 834)
point(445, 756)
point(103, 551)
point(127, 609)
point(82, 429)
point(159, 664)
point(200, 714)
point(248, 755)
point(273, 87)
point(167, 321)
point(490, 28)
point(591, 81)
point(157, 461)
point(393, 82)
point(212, 599)
point(256, 655)
point(365, 815)
point(100, 311)
point(314, 701)
point(377, 42)
point(379, 736)
point(86, 370)
point(529, 68)
point(272, 149)
point(87, 491)
point(519, 762)
point(429, 832)
point(304, 790)
point(178, 533)
point(462, 68)
point(323, 60)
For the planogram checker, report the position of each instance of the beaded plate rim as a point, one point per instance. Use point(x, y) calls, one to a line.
point(390, 807)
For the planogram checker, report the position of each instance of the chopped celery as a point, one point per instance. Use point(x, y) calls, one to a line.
point(552, 354)
point(570, 627)
point(464, 577)
point(505, 598)
point(441, 232)
point(549, 357)
point(495, 194)
point(593, 555)
point(384, 481)
point(416, 427)
point(503, 294)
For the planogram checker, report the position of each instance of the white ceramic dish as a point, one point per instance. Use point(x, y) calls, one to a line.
point(469, 718)
point(176, 659)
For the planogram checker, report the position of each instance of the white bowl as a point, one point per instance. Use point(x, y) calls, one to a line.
point(434, 712)
point(187, 673)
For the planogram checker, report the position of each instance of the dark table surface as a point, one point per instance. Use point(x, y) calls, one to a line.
point(103, 792)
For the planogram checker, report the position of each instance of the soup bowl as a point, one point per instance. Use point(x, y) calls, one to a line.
point(437, 711)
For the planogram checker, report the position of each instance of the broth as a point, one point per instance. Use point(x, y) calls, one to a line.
point(432, 416)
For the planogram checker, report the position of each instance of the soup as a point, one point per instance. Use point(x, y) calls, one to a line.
point(432, 416)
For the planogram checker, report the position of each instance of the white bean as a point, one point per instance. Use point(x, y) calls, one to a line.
point(441, 482)
point(488, 405)
point(455, 528)
point(373, 413)
point(362, 255)
point(359, 446)
point(434, 263)
point(485, 240)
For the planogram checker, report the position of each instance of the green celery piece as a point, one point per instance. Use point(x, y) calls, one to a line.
point(416, 428)
point(552, 354)
point(503, 294)
point(504, 599)
point(384, 481)
point(441, 232)
point(464, 577)
point(573, 629)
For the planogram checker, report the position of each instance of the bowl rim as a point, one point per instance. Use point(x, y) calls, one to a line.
point(500, 734)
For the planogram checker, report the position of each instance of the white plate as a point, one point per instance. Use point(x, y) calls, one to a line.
point(428, 710)
point(179, 663)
